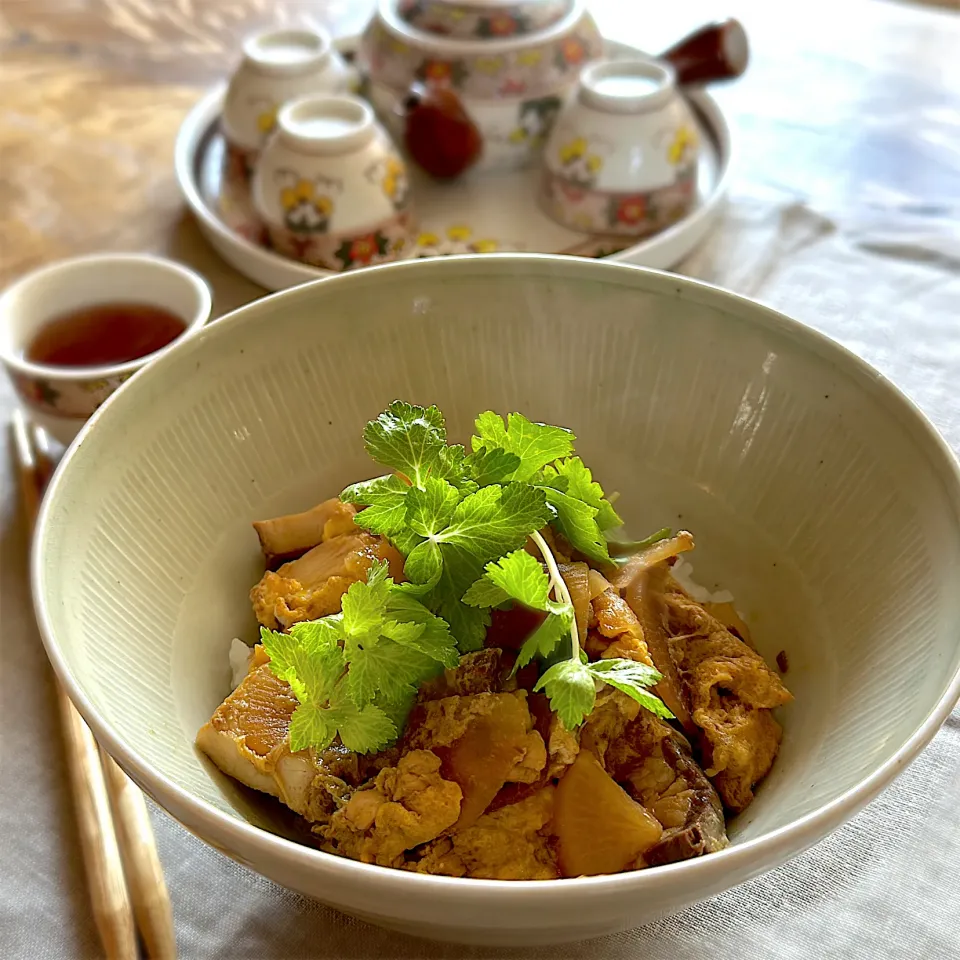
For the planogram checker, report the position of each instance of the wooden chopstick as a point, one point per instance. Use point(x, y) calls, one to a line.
point(98, 784)
point(138, 847)
point(141, 863)
point(101, 856)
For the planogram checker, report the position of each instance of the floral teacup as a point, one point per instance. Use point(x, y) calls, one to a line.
point(622, 158)
point(61, 398)
point(277, 66)
point(331, 187)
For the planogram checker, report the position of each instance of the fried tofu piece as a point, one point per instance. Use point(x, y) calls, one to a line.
point(247, 738)
point(730, 692)
point(408, 805)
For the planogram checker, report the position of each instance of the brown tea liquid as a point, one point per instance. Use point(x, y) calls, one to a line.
point(103, 335)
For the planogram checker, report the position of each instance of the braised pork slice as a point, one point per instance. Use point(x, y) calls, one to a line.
point(730, 692)
point(313, 585)
point(478, 672)
point(290, 536)
point(406, 806)
point(655, 765)
point(247, 739)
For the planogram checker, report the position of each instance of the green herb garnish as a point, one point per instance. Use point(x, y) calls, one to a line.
point(461, 521)
point(356, 673)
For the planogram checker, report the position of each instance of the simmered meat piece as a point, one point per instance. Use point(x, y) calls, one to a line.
point(247, 739)
point(280, 602)
point(313, 586)
point(284, 538)
point(599, 828)
point(511, 843)
point(655, 764)
point(484, 741)
point(730, 691)
point(408, 805)
point(479, 672)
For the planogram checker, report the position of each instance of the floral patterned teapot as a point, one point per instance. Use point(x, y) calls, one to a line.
point(510, 63)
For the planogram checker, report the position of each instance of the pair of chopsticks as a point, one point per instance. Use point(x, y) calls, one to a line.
point(123, 871)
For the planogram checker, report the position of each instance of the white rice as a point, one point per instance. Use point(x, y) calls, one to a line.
point(240, 656)
point(682, 572)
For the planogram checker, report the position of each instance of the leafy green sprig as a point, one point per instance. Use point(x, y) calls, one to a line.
point(461, 521)
point(356, 673)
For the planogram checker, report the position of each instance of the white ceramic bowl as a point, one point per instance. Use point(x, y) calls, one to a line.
point(819, 495)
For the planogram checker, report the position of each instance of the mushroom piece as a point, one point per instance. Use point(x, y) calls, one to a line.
point(290, 536)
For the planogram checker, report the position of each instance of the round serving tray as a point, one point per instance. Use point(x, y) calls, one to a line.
point(485, 212)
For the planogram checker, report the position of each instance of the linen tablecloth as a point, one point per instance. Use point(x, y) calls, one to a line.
point(844, 213)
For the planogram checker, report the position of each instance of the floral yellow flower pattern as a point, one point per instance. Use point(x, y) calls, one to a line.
point(267, 120)
point(305, 210)
point(489, 65)
point(529, 58)
point(485, 246)
point(577, 149)
point(305, 192)
point(459, 233)
point(394, 180)
point(683, 146)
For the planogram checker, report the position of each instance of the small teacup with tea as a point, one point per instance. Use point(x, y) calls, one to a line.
point(71, 333)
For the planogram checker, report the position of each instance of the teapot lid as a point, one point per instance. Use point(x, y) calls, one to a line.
point(482, 19)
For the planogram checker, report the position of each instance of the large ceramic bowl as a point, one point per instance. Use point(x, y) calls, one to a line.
point(818, 493)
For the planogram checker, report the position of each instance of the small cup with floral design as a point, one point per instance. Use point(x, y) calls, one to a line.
point(331, 187)
point(622, 157)
point(37, 309)
point(277, 66)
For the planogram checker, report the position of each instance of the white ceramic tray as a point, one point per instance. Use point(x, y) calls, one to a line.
point(480, 213)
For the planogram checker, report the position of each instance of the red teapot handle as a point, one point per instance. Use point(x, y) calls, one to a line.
point(716, 51)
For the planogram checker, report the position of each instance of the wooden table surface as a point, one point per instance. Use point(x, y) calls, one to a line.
point(92, 93)
point(844, 213)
